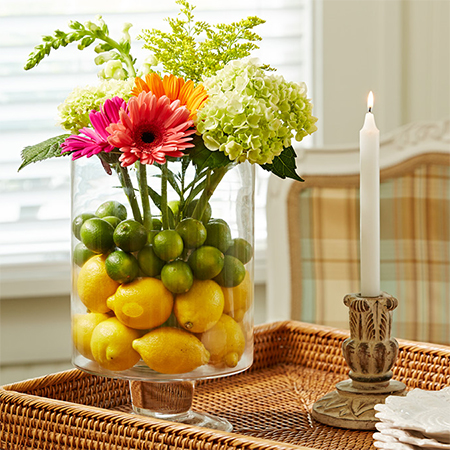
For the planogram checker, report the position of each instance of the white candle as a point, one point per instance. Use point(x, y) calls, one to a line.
point(369, 138)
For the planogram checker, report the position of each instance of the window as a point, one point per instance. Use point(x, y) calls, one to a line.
point(35, 203)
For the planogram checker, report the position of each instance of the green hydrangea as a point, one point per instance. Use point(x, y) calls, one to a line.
point(253, 115)
point(74, 112)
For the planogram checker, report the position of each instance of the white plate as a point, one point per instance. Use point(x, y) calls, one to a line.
point(390, 443)
point(424, 411)
point(410, 437)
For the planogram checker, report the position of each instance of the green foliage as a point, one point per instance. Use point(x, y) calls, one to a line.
point(284, 165)
point(48, 149)
point(197, 49)
point(86, 35)
point(204, 158)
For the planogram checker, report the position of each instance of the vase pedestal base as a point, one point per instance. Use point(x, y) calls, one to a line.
point(351, 405)
point(172, 401)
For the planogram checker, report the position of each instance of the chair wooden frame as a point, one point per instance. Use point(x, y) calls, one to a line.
point(400, 150)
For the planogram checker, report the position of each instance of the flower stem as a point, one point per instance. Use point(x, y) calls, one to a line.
point(128, 188)
point(143, 188)
point(213, 181)
point(164, 205)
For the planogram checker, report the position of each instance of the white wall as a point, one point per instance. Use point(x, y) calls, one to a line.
point(399, 49)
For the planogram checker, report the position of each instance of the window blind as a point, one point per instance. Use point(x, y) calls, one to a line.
point(35, 203)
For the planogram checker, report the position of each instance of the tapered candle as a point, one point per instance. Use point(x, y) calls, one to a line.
point(369, 138)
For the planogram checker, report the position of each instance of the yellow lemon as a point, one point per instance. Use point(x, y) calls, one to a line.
point(238, 299)
point(82, 327)
point(225, 341)
point(171, 350)
point(201, 307)
point(94, 285)
point(144, 303)
point(111, 345)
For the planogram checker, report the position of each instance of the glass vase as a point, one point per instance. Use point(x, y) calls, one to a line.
point(162, 285)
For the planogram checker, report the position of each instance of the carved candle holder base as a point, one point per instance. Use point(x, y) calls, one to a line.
point(370, 352)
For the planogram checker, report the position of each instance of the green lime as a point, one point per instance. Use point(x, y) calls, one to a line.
point(130, 235)
point(151, 235)
point(206, 213)
point(113, 220)
point(156, 224)
point(206, 262)
point(241, 249)
point(177, 276)
point(174, 205)
point(149, 263)
point(168, 245)
point(192, 231)
point(232, 274)
point(121, 266)
point(218, 234)
point(97, 235)
point(78, 222)
point(112, 208)
point(81, 254)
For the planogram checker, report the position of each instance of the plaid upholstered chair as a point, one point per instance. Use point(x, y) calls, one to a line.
point(313, 234)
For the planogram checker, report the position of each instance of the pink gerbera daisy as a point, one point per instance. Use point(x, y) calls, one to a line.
point(90, 142)
point(152, 129)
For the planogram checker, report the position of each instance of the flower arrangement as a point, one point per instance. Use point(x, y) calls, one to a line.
point(197, 98)
point(198, 104)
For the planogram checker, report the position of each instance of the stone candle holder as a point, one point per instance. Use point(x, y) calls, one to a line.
point(370, 352)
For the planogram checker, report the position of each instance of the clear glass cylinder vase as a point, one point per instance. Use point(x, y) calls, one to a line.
point(162, 290)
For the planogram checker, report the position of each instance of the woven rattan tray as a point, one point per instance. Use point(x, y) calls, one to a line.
point(268, 405)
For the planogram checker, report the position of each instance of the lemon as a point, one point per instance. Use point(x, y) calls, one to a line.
point(171, 350)
point(238, 299)
point(201, 307)
point(111, 345)
point(144, 303)
point(82, 327)
point(225, 341)
point(94, 285)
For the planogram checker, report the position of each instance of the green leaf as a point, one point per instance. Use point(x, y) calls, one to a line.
point(51, 148)
point(203, 158)
point(156, 198)
point(284, 166)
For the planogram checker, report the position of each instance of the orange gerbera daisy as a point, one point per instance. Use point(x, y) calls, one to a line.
point(175, 89)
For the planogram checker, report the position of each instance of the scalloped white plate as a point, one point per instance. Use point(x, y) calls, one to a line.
point(390, 443)
point(410, 437)
point(424, 411)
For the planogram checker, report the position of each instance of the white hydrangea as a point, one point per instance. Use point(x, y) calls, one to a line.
point(253, 115)
point(74, 112)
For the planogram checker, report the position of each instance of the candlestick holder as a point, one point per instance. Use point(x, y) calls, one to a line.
point(370, 352)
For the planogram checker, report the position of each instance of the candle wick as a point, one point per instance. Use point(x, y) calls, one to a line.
point(370, 109)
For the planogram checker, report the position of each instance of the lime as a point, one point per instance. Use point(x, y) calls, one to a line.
point(130, 235)
point(97, 235)
point(232, 274)
point(241, 249)
point(192, 231)
point(156, 224)
point(149, 263)
point(177, 277)
point(151, 235)
point(206, 213)
point(112, 208)
point(174, 205)
point(81, 254)
point(168, 245)
point(206, 262)
point(218, 235)
point(113, 220)
point(78, 222)
point(121, 266)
